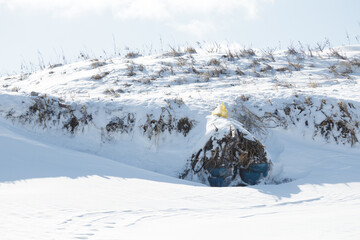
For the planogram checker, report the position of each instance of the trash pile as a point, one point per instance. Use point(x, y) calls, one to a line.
point(228, 155)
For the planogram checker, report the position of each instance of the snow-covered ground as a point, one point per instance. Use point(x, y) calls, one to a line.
point(48, 192)
point(80, 159)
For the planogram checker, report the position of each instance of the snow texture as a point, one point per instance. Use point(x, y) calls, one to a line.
point(94, 149)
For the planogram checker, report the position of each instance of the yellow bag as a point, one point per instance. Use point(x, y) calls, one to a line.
point(221, 111)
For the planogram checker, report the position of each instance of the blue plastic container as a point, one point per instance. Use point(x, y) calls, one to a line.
point(220, 172)
point(218, 177)
point(254, 173)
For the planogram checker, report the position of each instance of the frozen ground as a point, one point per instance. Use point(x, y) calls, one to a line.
point(90, 183)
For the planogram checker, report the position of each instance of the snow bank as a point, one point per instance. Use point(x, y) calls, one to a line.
point(69, 133)
point(150, 111)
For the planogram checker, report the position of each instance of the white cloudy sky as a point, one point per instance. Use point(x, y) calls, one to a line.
point(52, 28)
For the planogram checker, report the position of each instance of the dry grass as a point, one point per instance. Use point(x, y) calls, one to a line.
point(99, 75)
point(239, 72)
point(343, 108)
point(254, 63)
point(190, 50)
point(332, 69)
point(342, 68)
point(321, 46)
point(146, 80)
point(313, 84)
point(112, 92)
point(269, 54)
point(206, 76)
point(283, 69)
point(247, 53)
point(141, 67)
point(97, 64)
point(214, 62)
point(181, 61)
point(355, 62)
point(284, 84)
point(335, 53)
point(308, 101)
point(292, 51)
point(266, 68)
point(131, 70)
point(217, 71)
point(164, 70)
point(178, 101)
point(244, 98)
point(132, 55)
point(295, 66)
point(173, 53)
point(230, 56)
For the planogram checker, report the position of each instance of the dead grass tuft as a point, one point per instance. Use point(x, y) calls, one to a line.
point(131, 70)
point(99, 75)
point(266, 68)
point(112, 92)
point(132, 55)
point(181, 61)
point(213, 62)
point(173, 53)
point(247, 53)
point(313, 84)
point(206, 76)
point(283, 69)
point(335, 53)
point(97, 64)
point(269, 54)
point(295, 66)
point(355, 62)
point(284, 84)
point(292, 51)
point(239, 72)
point(190, 50)
point(308, 101)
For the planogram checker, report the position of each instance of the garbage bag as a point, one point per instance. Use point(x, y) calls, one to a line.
point(221, 111)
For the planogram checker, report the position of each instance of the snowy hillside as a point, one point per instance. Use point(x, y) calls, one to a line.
point(95, 149)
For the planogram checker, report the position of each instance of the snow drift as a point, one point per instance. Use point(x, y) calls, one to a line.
point(77, 142)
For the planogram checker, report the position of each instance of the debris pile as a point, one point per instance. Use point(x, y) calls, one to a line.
point(227, 152)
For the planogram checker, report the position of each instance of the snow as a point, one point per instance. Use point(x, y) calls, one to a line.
point(48, 192)
point(96, 185)
point(47, 161)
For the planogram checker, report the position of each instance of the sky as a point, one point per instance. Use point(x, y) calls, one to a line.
point(56, 31)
